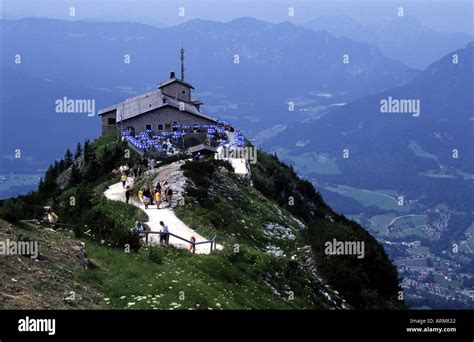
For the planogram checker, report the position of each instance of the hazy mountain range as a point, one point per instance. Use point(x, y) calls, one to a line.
point(277, 62)
point(401, 150)
point(405, 38)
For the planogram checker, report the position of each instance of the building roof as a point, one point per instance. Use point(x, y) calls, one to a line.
point(147, 102)
point(172, 80)
point(202, 147)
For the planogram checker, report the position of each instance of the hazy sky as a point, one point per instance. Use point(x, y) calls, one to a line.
point(443, 15)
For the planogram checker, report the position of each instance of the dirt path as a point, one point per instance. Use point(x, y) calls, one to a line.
point(116, 193)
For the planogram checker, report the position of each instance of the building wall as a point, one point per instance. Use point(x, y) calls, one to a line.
point(106, 127)
point(177, 88)
point(164, 115)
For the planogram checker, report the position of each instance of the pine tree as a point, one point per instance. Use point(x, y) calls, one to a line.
point(61, 165)
point(87, 149)
point(75, 177)
point(91, 168)
point(78, 151)
point(68, 158)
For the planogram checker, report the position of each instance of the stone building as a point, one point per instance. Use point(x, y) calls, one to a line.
point(168, 108)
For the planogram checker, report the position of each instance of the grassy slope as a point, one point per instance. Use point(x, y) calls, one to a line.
point(46, 282)
point(244, 275)
point(166, 278)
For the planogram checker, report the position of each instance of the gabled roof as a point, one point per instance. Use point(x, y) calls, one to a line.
point(172, 80)
point(202, 147)
point(147, 102)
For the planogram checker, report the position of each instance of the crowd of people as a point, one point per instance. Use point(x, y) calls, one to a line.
point(156, 195)
point(136, 171)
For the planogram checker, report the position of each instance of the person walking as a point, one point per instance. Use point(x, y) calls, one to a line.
point(146, 197)
point(169, 195)
point(158, 187)
point(158, 199)
point(192, 244)
point(123, 178)
point(128, 193)
point(164, 238)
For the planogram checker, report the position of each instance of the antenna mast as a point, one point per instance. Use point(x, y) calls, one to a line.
point(181, 57)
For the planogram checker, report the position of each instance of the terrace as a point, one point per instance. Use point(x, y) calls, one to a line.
point(163, 143)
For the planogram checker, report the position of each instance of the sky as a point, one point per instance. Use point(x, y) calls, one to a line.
point(443, 15)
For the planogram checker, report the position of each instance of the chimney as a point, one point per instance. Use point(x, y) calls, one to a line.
point(172, 74)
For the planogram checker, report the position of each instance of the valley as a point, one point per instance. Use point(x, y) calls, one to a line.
point(434, 274)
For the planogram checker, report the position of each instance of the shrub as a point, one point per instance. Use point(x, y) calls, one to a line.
point(155, 254)
point(13, 210)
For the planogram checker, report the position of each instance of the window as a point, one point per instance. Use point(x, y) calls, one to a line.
point(148, 127)
point(167, 126)
point(111, 121)
point(175, 126)
point(160, 127)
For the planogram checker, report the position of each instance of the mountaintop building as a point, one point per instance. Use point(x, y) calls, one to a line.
point(168, 121)
point(167, 109)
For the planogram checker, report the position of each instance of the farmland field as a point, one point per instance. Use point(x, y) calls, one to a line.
point(310, 162)
point(384, 199)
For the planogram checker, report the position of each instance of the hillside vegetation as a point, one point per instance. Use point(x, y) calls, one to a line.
point(273, 228)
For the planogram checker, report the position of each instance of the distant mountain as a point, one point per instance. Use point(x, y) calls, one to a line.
point(400, 150)
point(30, 123)
point(81, 60)
point(91, 53)
point(405, 38)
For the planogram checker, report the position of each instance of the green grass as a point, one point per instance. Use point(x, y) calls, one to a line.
point(419, 250)
point(237, 215)
point(411, 222)
point(446, 283)
point(384, 199)
point(310, 162)
point(415, 263)
point(124, 213)
point(176, 279)
point(380, 222)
